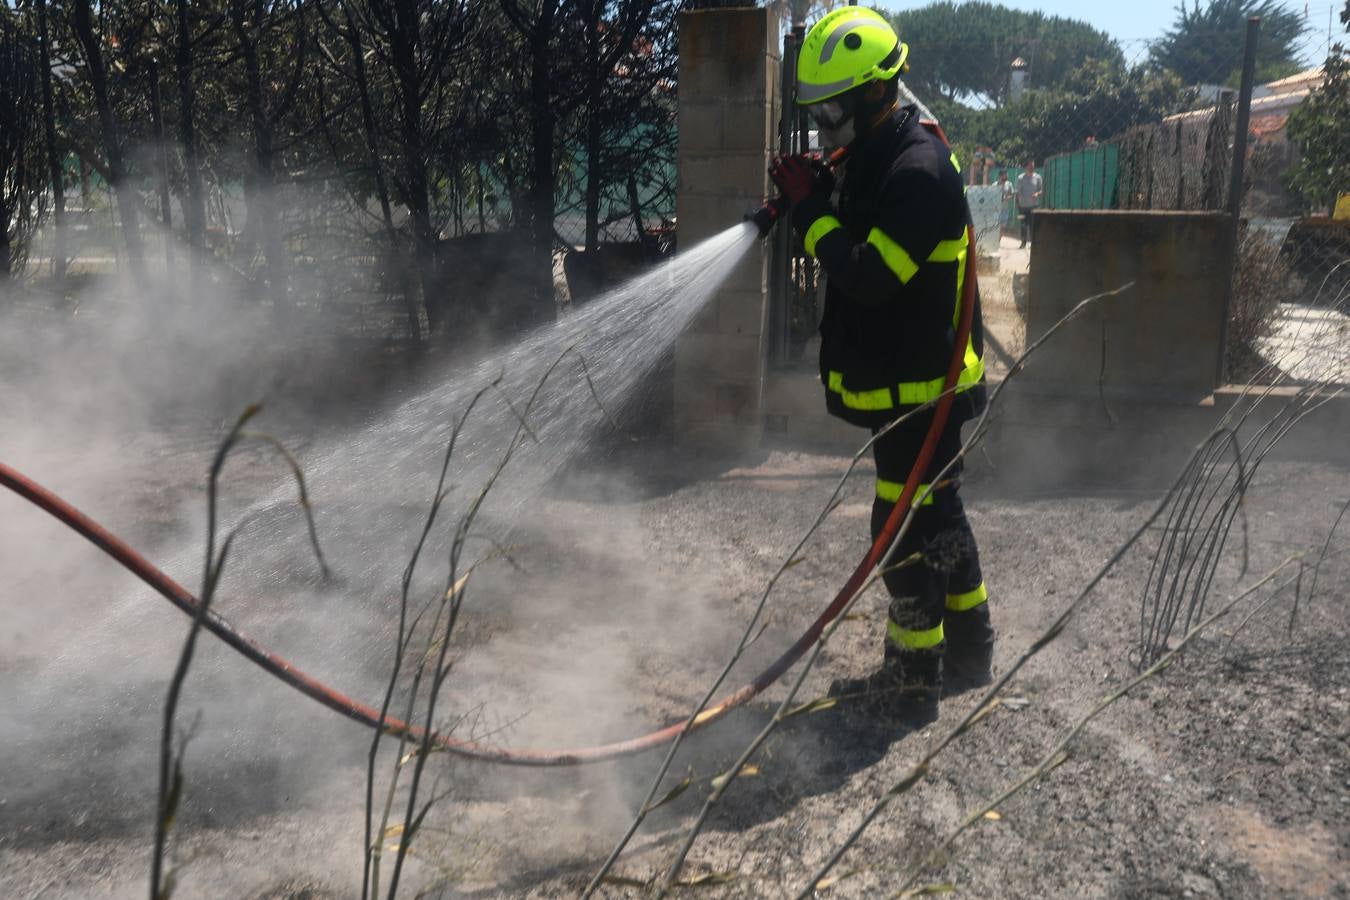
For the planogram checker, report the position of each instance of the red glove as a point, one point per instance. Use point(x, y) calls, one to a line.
point(795, 176)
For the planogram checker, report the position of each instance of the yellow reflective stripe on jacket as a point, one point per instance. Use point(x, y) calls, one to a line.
point(899, 261)
point(968, 600)
point(949, 251)
point(890, 492)
point(896, 258)
point(913, 640)
point(911, 393)
point(960, 288)
point(819, 228)
point(914, 393)
point(955, 165)
point(867, 400)
point(971, 362)
point(954, 251)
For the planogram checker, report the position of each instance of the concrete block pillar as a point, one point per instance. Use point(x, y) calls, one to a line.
point(728, 110)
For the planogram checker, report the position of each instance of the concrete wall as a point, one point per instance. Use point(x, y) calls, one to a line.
point(1162, 338)
point(729, 65)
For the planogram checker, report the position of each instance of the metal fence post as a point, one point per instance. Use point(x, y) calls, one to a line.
point(1240, 128)
point(802, 282)
point(780, 260)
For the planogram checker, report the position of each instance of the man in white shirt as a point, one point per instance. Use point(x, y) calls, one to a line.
point(1029, 188)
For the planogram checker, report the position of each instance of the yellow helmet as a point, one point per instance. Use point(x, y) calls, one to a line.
point(848, 47)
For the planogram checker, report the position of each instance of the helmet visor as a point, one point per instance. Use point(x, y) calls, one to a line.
point(829, 114)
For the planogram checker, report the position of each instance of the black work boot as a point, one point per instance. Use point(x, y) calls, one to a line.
point(905, 690)
point(970, 649)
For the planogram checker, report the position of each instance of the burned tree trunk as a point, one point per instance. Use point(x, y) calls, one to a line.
point(127, 201)
point(537, 27)
point(594, 133)
point(407, 284)
point(194, 203)
point(162, 164)
point(418, 43)
point(20, 166)
point(260, 186)
point(55, 169)
point(404, 38)
point(543, 180)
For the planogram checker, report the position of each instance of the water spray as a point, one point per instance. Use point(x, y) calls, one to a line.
point(284, 670)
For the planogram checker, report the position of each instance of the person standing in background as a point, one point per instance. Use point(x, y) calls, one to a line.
point(1005, 193)
point(1029, 187)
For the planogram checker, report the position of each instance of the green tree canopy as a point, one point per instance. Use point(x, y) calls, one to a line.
point(1321, 128)
point(1099, 100)
point(965, 52)
point(1205, 44)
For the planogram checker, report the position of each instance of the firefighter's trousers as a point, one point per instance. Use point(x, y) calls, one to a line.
point(938, 572)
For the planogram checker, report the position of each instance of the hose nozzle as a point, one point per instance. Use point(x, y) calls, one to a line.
point(767, 215)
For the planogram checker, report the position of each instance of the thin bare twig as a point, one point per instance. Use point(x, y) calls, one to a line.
point(373, 848)
point(171, 764)
point(1321, 557)
point(451, 606)
point(299, 475)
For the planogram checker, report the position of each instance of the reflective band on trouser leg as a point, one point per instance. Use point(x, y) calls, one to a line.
point(913, 640)
point(968, 600)
point(896, 258)
point(819, 228)
point(890, 492)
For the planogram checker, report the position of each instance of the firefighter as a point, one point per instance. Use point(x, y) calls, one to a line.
point(894, 250)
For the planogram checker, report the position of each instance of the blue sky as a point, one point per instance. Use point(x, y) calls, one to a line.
point(1132, 23)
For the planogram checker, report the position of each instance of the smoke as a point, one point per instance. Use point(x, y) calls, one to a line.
point(118, 403)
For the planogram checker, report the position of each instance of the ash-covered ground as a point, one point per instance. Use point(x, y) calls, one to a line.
point(1226, 776)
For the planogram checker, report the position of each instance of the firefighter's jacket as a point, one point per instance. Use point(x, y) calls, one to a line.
point(895, 259)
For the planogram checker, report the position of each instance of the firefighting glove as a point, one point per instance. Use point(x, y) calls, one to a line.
point(800, 176)
point(813, 182)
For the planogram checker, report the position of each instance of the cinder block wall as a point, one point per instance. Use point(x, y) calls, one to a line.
point(729, 72)
point(1162, 338)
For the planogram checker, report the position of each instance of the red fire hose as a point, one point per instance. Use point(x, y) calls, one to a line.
point(180, 597)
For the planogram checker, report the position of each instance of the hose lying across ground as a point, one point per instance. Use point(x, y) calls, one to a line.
point(357, 711)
